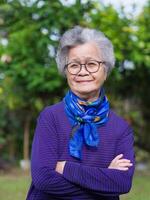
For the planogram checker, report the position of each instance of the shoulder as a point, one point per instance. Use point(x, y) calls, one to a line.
point(52, 110)
point(117, 118)
point(118, 122)
point(58, 107)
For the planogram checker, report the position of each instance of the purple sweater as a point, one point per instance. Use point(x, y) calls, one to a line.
point(88, 178)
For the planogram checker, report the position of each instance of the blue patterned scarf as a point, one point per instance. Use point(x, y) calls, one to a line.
point(85, 117)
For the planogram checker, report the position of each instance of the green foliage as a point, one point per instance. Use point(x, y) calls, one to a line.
point(29, 79)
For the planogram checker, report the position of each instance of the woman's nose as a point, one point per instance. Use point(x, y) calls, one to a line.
point(83, 70)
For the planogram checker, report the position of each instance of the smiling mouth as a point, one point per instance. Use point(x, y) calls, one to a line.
point(84, 81)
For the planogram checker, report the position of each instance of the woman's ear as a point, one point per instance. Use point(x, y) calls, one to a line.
point(65, 73)
point(105, 76)
point(105, 73)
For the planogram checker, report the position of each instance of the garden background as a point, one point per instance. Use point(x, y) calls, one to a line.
point(29, 80)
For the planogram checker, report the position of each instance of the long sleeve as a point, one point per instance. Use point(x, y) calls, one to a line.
point(103, 180)
point(44, 158)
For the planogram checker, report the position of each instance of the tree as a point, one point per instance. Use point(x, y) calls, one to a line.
point(30, 78)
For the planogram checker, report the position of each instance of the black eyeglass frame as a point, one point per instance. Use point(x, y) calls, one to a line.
point(99, 62)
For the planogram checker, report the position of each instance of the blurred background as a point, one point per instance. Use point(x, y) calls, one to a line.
point(29, 80)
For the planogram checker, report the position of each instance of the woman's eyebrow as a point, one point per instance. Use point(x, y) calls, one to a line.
point(79, 60)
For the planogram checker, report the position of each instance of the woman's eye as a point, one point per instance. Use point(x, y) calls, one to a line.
point(92, 64)
point(74, 66)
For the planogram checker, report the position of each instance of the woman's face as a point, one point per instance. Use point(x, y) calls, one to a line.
point(85, 84)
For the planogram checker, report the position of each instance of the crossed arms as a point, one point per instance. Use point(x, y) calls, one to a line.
point(71, 178)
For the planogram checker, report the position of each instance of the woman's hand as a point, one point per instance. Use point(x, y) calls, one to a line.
point(60, 167)
point(120, 163)
point(117, 163)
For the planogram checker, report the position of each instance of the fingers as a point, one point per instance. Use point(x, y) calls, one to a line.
point(125, 164)
point(118, 157)
point(60, 166)
point(119, 160)
point(120, 163)
point(122, 168)
point(123, 161)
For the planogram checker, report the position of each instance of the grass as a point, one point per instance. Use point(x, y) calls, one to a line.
point(15, 186)
point(141, 187)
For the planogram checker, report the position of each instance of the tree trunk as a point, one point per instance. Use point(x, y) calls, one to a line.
point(26, 138)
point(12, 148)
point(25, 163)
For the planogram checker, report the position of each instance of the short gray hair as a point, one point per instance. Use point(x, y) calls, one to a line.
point(79, 35)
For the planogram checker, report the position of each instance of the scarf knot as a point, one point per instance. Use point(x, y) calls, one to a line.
point(85, 117)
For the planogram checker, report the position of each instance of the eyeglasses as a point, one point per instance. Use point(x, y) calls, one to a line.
point(92, 66)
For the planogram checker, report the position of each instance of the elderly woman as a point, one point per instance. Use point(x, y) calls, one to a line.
point(81, 148)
